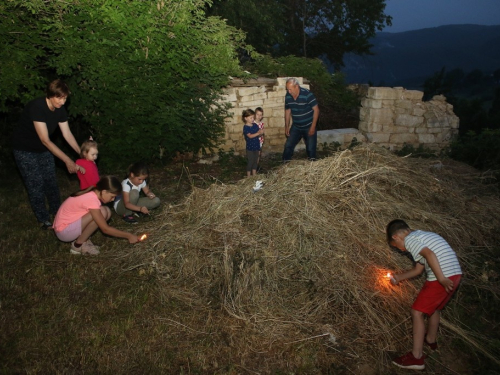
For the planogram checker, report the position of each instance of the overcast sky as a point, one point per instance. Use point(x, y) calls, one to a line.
point(421, 14)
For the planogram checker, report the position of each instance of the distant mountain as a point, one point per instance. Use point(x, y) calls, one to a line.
point(408, 58)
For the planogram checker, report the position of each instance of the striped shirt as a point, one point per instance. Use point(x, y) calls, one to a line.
point(447, 258)
point(302, 108)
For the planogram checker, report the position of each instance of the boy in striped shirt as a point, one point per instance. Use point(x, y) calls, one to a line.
point(433, 254)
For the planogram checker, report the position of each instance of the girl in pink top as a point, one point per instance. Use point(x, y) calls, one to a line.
point(82, 213)
point(88, 155)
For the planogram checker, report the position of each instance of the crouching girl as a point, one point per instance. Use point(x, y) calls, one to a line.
point(82, 213)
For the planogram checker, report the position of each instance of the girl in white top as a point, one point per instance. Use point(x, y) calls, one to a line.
point(131, 202)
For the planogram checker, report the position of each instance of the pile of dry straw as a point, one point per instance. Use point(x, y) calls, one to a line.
point(299, 268)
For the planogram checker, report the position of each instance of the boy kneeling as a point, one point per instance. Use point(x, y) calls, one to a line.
point(432, 253)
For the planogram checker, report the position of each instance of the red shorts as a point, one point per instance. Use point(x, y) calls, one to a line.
point(433, 296)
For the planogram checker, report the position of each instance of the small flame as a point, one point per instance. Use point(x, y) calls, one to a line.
point(143, 237)
point(388, 275)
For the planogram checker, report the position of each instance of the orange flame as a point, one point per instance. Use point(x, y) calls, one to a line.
point(143, 237)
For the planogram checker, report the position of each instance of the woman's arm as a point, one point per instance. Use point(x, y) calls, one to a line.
point(68, 136)
point(110, 231)
point(43, 134)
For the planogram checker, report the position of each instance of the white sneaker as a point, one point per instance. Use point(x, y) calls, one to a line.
point(86, 249)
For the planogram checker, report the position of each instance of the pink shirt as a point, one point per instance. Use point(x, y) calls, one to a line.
point(75, 208)
point(91, 176)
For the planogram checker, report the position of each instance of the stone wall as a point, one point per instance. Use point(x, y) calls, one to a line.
point(392, 117)
point(389, 117)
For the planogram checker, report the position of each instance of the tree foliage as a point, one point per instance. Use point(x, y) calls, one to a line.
point(144, 75)
point(308, 28)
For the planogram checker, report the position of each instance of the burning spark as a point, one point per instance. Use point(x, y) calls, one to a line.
point(143, 237)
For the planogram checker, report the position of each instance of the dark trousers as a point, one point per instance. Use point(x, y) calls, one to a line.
point(38, 171)
point(296, 134)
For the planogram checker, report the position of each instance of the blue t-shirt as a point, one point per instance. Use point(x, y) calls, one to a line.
point(253, 144)
point(302, 108)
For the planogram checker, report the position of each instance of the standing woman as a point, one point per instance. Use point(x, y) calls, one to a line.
point(34, 151)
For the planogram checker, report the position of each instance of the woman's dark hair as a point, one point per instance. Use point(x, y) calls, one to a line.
point(138, 169)
point(246, 113)
point(109, 183)
point(58, 89)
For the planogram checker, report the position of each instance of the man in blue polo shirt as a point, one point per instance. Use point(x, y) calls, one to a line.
point(300, 106)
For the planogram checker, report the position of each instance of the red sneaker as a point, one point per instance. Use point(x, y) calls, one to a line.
point(410, 362)
point(431, 345)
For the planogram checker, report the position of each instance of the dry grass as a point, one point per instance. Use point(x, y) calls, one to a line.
point(298, 268)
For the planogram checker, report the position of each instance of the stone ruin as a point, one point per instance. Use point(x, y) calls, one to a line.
point(389, 117)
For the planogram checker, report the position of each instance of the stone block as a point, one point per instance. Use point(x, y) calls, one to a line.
point(378, 137)
point(405, 104)
point(276, 94)
point(374, 127)
point(408, 120)
point(246, 91)
point(363, 126)
point(382, 93)
point(229, 91)
point(426, 138)
point(412, 95)
point(278, 112)
point(402, 111)
point(251, 104)
point(380, 115)
point(371, 103)
point(404, 138)
point(229, 98)
point(274, 122)
point(418, 111)
point(397, 129)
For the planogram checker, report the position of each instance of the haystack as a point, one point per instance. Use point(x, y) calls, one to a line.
point(296, 272)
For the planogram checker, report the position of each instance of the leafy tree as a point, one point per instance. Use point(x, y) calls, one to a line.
point(308, 28)
point(145, 75)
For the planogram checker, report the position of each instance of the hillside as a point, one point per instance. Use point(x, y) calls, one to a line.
point(408, 58)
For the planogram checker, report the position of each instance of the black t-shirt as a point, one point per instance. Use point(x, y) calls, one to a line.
point(25, 137)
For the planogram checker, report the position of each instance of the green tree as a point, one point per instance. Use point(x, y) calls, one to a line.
point(145, 75)
point(308, 28)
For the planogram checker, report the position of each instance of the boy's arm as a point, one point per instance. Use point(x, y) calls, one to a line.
point(433, 263)
point(415, 271)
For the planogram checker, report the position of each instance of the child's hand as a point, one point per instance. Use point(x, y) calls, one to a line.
point(447, 284)
point(80, 168)
point(151, 195)
point(394, 279)
point(132, 238)
point(144, 209)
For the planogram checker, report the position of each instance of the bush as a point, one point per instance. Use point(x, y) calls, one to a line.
point(146, 77)
point(481, 150)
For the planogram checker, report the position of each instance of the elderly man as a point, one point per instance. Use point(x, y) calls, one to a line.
point(300, 106)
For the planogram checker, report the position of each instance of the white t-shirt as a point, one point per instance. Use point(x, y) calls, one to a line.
point(127, 187)
point(447, 258)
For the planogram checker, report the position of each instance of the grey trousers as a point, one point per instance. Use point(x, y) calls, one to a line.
point(134, 198)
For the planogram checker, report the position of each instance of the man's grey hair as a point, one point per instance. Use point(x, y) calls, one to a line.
point(293, 80)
